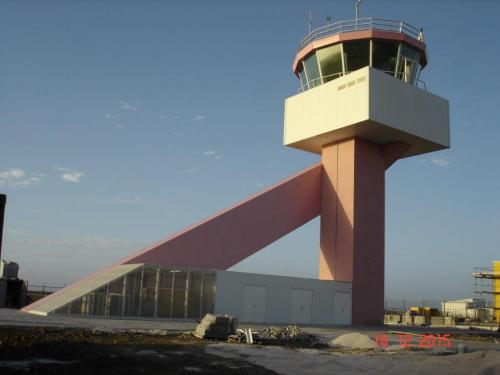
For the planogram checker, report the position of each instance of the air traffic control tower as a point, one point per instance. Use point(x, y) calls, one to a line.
point(361, 106)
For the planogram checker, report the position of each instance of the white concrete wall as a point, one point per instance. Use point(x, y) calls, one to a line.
point(326, 108)
point(371, 105)
point(408, 108)
point(230, 287)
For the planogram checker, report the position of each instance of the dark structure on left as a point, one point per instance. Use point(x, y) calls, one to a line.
point(12, 289)
point(3, 200)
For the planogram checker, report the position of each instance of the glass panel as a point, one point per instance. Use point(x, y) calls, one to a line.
point(303, 79)
point(116, 286)
point(148, 292)
point(408, 62)
point(194, 294)
point(132, 292)
point(165, 294)
point(417, 74)
point(76, 307)
point(86, 304)
point(384, 56)
point(408, 69)
point(312, 71)
point(357, 55)
point(178, 306)
point(114, 298)
point(330, 60)
point(410, 52)
point(114, 305)
point(208, 300)
point(98, 304)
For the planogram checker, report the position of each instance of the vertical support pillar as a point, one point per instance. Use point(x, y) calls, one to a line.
point(201, 293)
point(107, 301)
point(352, 224)
point(172, 289)
point(140, 292)
point(124, 294)
point(157, 289)
point(186, 294)
point(496, 290)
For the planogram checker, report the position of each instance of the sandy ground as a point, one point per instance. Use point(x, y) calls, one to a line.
point(73, 351)
point(80, 345)
point(313, 361)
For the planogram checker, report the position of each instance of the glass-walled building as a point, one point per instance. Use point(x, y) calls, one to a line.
point(149, 291)
point(142, 291)
point(397, 59)
point(338, 49)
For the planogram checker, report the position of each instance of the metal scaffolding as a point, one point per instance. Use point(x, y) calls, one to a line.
point(484, 286)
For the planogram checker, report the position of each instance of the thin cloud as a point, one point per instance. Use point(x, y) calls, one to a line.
point(441, 162)
point(109, 116)
point(73, 176)
point(178, 134)
point(199, 118)
point(113, 119)
point(128, 106)
point(128, 201)
point(170, 119)
point(12, 173)
point(17, 178)
point(192, 170)
point(212, 154)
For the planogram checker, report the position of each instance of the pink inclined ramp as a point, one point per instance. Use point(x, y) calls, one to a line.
point(234, 234)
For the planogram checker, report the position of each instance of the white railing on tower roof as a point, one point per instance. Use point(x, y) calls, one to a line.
point(362, 24)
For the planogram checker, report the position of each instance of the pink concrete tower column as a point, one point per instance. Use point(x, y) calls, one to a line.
point(352, 221)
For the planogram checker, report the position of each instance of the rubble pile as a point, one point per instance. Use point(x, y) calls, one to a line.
point(216, 327)
point(287, 336)
point(278, 332)
point(239, 337)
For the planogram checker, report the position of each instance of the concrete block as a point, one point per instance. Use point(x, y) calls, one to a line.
point(216, 326)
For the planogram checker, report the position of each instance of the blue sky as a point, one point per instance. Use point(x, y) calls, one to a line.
point(122, 122)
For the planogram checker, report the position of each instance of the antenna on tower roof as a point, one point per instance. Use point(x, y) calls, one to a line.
point(356, 5)
point(310, 20)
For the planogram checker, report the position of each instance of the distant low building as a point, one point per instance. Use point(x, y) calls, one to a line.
point(471, 308)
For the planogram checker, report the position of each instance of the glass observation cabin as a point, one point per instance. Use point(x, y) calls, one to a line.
point(339, 48)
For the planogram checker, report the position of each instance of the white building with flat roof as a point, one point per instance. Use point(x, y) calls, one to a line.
point(464, 308)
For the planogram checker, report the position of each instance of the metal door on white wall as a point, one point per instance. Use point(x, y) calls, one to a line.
point(342, 306)
point(301, 306)
point(254, 304)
